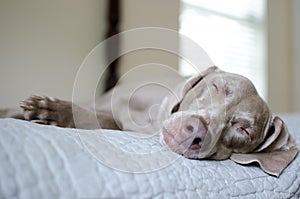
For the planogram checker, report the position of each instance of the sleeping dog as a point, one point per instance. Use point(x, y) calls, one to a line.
point(213, 115)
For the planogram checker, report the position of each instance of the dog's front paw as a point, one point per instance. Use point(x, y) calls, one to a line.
point(47, 110)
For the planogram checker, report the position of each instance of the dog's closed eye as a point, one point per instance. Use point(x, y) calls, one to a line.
point(216, 87)
point(175, 109)
point(244, 131)
point(243, 126)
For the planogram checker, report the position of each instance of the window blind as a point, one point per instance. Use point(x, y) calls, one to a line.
point(232, 33)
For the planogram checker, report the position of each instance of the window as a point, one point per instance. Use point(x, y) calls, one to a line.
point(232, 33)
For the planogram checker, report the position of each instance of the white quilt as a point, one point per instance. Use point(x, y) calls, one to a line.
point(48, 162)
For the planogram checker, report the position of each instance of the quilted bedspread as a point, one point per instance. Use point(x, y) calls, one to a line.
point(39, 161)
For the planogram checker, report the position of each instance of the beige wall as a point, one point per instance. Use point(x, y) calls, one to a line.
point(43, 43)
point(280, 55)
point(296, 54)
point(146, 13)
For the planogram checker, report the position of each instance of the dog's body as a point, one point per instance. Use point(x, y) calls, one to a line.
point(215, 115)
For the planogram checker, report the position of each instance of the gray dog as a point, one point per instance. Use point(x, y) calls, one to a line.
point(214, 115)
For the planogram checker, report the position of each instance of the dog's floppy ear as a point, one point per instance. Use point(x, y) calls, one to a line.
point(275, 153)
point(171, 102)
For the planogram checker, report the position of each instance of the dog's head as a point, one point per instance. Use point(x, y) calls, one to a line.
point(219, 115)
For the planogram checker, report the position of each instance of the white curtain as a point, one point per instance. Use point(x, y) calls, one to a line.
point(233, 34)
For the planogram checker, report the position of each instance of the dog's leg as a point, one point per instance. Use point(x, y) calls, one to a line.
point(11, 113)
point(46, 110)
point(52, 111)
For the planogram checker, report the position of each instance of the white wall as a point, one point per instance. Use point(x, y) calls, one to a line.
point(148, 13)
point(43, 43)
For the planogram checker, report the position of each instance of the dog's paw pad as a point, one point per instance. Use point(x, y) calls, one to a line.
point(47, 110)
point(25, 105)
point(39, 108)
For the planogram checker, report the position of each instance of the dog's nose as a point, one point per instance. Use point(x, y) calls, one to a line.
point(195, 125)
point(195, 129)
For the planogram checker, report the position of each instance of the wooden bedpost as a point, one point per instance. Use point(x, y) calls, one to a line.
point(112, 49)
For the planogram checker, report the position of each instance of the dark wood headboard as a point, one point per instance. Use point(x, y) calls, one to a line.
point(112, 49)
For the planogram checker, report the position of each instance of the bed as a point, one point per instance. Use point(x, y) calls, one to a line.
point(38, 161)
